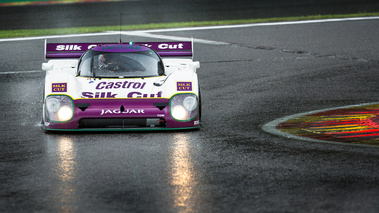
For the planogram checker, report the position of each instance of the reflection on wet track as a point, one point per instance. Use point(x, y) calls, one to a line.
point(350, 125)
point(63, 156)
point(182, 174)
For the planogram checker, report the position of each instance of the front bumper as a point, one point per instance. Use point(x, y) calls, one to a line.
point(121, 115)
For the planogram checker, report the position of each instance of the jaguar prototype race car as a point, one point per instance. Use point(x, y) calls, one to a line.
point(120, 86)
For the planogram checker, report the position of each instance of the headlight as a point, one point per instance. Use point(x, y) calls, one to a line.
point(64, 113)
point(179, 112)
point(190, 103)
point(59, 108)
point(184, 107)
point(52, 105)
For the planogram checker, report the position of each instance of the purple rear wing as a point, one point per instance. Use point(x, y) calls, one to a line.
point(75, 50)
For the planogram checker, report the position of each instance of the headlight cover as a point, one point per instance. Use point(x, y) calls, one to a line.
point(59, 108)
point(184, 107)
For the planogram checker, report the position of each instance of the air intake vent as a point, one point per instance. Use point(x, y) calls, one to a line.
point(120, 123)
point(83, 106)
point(160, 106)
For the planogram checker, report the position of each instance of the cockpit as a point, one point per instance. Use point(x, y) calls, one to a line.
point(105, 64)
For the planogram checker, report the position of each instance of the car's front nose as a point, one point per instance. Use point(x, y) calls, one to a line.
point(126, 114)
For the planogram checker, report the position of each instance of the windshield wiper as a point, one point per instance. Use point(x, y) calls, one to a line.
point(161, 82)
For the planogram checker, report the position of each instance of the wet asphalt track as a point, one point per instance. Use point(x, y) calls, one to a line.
point(257, 75)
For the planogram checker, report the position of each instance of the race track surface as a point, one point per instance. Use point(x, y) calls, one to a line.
point(249, 76)
point(168, 11)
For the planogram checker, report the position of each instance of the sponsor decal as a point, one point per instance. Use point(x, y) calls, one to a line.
point(125, 47)
point(141, 95)
point(184, 86)
point(165, 46)
point(72, 47)
point(59, 87)
point(112, 95)
point(120, 85)
point(98, 95)
point(68, 47)
point(170, 46)
point(117, 111)
point(135, 46)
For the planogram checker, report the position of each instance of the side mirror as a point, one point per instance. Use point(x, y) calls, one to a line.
point(47, 66)
point(194, 65)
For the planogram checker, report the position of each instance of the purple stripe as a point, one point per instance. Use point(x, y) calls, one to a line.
point(82, 47)
point(77, 55)
point(63, 55)
point(96, 106)
point(119, 101)
point(75, 50)
point(175, 54)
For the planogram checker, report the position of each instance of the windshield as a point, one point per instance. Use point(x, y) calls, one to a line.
point(120, 64)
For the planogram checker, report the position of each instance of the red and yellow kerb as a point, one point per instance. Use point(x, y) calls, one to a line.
point(355, 125)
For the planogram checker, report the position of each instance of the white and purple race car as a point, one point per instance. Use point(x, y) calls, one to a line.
point(119, 86)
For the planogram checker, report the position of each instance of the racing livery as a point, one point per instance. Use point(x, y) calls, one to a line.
point(119, 86)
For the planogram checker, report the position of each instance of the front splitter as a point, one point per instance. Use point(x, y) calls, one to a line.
point(122, 130)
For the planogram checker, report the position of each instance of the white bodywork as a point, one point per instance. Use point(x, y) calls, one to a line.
point(64, 71)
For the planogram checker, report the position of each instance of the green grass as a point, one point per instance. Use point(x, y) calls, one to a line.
point(79, 30)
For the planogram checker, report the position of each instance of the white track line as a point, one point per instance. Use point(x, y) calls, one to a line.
point(172, 38)
point(262, 24)
point(194, 28)
point(20, 72)
point(57, 36)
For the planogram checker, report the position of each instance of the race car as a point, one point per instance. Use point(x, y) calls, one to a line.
point(120, 87)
